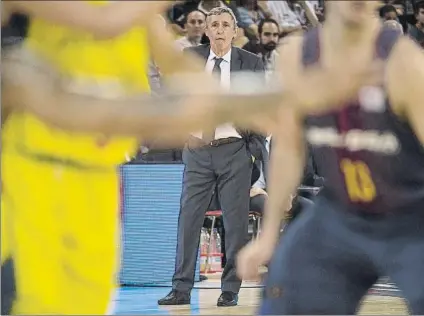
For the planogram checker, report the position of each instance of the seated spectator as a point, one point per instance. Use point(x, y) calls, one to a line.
point(293, 16)
point(401, 12)
point(388, 12)
point(177, 15)
point(269, 34)
point(417, 31)
point(250, 16)
point(258, 192)
point(194, 26)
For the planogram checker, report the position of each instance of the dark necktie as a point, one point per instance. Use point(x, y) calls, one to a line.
point(209, 134)
point(217, 67)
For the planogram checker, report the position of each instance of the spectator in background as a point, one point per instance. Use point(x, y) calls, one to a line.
point(417, 31)
point(259, 192)
point(388, 13)
point(293, 16)
point(250, 16)
point(217, 160)
point(194, 28)
point(401, 7)
point(177, 16)
point(269, 35)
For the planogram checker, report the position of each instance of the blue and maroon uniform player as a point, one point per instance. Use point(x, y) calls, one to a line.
point(368, 222)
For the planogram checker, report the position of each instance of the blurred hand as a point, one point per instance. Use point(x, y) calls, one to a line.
point(254, 255)
point(357, 73)
point(330, 86)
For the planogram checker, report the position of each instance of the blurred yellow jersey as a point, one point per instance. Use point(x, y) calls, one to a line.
point(118, 66)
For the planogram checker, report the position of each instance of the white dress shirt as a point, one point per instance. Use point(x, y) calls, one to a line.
point(225, 130)
point(260, 183)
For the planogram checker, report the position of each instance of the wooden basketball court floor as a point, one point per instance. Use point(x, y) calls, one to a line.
point(143, 301)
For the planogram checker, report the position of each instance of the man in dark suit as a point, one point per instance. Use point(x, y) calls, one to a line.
point(221, 160)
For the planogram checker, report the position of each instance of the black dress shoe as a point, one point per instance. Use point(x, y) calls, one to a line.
point(227, 299)
point(175, 298)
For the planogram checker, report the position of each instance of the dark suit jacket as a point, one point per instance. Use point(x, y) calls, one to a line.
point(310, 176)
point(241, 60)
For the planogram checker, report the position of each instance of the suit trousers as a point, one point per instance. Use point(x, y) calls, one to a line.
point(226, 169)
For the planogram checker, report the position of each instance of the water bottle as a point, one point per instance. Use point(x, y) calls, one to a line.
point(213, 241)
point(218, 243)
point(202, 241)
point(216, 253)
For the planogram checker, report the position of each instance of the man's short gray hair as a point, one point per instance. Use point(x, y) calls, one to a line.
point(222, 10)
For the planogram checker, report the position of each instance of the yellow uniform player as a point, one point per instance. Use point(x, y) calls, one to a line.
point(63, 186)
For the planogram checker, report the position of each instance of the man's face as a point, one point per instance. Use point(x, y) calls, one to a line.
point(354, 13)
point(390, 16)
point(195, 24)
point(269, 37)
point(420, 16)
point(220, 29)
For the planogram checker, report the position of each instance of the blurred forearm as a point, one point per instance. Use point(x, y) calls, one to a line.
point(286, 169)
point(102, 21)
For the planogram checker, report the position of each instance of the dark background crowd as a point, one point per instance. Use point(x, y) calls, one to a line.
point(262, 26)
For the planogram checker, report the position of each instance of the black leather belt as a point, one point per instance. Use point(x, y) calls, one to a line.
point(197, 142)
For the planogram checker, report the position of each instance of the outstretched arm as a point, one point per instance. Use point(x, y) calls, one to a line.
point(313, 89)
point(286, 168)
point(306, 90)
point(29, 85)
point(147, 116)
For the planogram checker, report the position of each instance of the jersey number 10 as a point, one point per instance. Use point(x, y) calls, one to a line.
point(359, 184)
